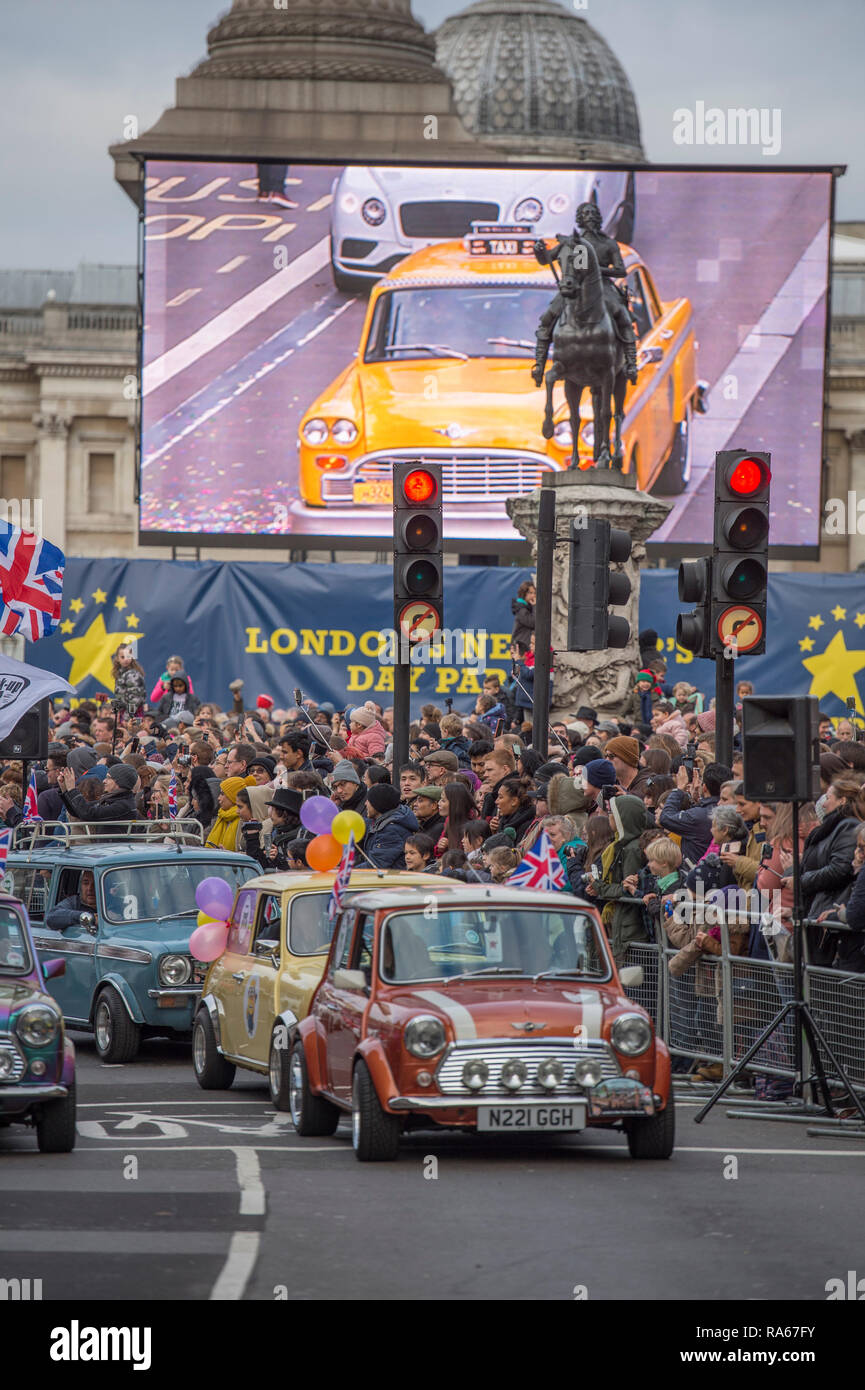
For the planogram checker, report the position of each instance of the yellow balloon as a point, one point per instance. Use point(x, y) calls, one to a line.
point(203, 918)
point(345, 823)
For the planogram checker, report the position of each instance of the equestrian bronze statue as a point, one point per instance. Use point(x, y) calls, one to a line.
point(591, 333)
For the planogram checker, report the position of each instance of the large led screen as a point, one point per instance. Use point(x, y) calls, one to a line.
point(306, 326)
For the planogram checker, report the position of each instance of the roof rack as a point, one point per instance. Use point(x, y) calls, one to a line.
point(39, 834)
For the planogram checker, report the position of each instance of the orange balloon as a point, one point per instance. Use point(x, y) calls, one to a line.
point(323, 853)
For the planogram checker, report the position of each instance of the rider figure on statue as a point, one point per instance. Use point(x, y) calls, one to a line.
point(612, 268)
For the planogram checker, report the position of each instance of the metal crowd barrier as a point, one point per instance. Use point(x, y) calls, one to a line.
point(717, 1008)
point(35, 834)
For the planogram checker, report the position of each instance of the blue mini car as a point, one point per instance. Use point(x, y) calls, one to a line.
point(37, 1059)
point(120, 915)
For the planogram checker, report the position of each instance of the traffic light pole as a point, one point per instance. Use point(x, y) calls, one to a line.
point(543, 620)
point(724, 708)
point(401, 718)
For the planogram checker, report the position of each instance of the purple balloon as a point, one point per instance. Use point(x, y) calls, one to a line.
point(317, 814)
point(214, 897)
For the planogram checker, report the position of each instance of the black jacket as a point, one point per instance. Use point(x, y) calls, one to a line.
point(356, 802)
point(432, 827)
point(524, 622)
point(826, 870)
point(67, 913)
point(489, 808)
point(460, 746)
point(119, 806)
point(519, 820)
point(190, 702)
point(694, 826)
point(851, 945)
point(385, 839)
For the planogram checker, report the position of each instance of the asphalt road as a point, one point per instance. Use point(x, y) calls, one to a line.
point(231, 375)
point(177, 1194)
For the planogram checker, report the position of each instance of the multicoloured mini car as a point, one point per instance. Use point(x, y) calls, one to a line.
point(37, 1059)
point(497, 1011)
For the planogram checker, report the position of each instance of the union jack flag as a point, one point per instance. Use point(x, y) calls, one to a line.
point(5, 837)
point(31, 804)
point(340, 883)
point(31, 583)
point(540, 867)
point(172, 796)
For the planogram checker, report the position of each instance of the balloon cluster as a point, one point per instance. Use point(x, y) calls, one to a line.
point(213, 898)
point(332, 829)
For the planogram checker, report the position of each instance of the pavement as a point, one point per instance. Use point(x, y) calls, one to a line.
point(173, 1193)
point(244, 329)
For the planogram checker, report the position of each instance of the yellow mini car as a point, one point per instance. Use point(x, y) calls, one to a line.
point(256, 993)
point(443, 373)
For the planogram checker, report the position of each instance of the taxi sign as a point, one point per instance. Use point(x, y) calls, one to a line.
point(501, 239)
point(418, 621)
point(740, 628)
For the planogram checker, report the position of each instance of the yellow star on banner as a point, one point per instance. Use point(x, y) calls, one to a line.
point(834, 671)
point(67, 626)
point(76, 605)
point(859, 620)
point(816, 623)
point(131, 620)
point(100, 596)
point(92, 653)
point(806, 644)
point(120, 603)
point(839, 613)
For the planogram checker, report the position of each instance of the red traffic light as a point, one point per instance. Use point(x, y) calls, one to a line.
point(747, 476)
point(419, 487)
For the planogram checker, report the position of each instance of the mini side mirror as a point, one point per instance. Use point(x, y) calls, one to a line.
point(52, 969)
point(88, 921)
point(349, 979)
point(631, 976)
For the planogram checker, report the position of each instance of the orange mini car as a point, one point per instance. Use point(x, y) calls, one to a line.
point(484, 1008)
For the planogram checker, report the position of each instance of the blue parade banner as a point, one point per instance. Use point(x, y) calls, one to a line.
point(278, 626)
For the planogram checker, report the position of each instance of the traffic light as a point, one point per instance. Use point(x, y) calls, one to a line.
point(693, 630)
point(740, 556)
point(417, 546)
point(592, 586)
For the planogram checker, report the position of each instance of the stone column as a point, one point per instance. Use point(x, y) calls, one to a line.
point(600, 679)
point(51, 490)
point(856, 485)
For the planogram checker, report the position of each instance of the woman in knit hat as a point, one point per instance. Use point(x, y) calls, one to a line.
point(224, 832)
point(366, 735)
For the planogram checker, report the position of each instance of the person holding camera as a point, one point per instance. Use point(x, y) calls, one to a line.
point(621, 862)
point(694, 824)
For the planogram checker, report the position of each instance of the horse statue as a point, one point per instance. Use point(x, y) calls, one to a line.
point(587, 351)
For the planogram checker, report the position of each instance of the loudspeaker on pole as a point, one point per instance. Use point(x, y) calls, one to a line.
point(781, 748)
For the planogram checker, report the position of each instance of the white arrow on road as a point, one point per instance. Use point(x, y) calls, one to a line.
point(171, 1129)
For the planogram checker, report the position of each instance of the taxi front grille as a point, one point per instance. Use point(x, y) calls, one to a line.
point(445, 218)
point(489, 477)
point(9, 1048)
point(531, 1053)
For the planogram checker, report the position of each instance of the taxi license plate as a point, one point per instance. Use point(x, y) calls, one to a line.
point(380, 491)
point(508, 1119)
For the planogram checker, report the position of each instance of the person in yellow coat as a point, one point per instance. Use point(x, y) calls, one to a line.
point(224, 832)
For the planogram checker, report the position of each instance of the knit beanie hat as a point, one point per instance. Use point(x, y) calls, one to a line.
point(231, 786)
point(706, 721)
point(628, 749)
point(123, 775)
point(363, 716)
point(383, 797)
point(264, 702)
point(645, 675)
point(346, 772)
point(601, 773)
point(80, 759)
point(589, 753)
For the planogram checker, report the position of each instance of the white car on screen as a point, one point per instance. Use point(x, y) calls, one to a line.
point(379, 215)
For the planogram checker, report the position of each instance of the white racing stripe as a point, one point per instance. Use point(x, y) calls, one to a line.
point(464, 1024)
point(231, 320)
point(592, 1010)
point(249, 1182)
point(238, 1267)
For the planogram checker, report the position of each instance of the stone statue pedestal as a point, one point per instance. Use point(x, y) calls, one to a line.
point(600, 679)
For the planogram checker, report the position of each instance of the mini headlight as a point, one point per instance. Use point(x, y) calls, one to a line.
point(514, 1074)
point(425, 1036)
point(374, 212)
point(562, 433)
point(588, 1072)
point(37, 1025)
point(631, 1034)
point(315, 431)
point(551, 1073)
point(344, 432)
point(529, 210)
point(476, 1074)
point(175, 970)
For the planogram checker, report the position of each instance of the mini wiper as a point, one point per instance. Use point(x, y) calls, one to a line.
point(553, 974)
point(190, 912)
point(485, 970)
point(441, 349)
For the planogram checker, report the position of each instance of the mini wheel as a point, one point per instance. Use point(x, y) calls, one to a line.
point(117, 1037)
point(655, 1136)
point(55, 1128)
point(374, 1133)
point(310, 1114)
point(212, 1071)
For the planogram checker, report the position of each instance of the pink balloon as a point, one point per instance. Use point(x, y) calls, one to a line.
point(207, 943)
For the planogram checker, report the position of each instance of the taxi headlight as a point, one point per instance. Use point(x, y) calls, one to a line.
point(315, 431)
point(551, 1073)
point(175, 970)
point(344, 432)
point(514, 1074)
point(588, 1072)
point(373, 212)
point(529, 210)
point(425, 1036)
point(631, 1034)
point(37, 1025)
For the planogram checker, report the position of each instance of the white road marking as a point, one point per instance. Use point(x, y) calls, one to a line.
point(220, 1148)
point(464, 1024)
point(249, 1182)
point(163, 1104)
point(321, 203)
point(231, 320)
point(261, 1126)
point(242, 1254)
point(182, 298)
point(232, 264)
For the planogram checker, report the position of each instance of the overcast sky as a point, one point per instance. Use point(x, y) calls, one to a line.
point(73, 69)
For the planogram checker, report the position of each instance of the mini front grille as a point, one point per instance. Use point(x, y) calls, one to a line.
point(532, 1053)
point(491, 478)
point(9, 1048)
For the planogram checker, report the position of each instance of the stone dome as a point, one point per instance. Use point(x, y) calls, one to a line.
point(531, 76)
